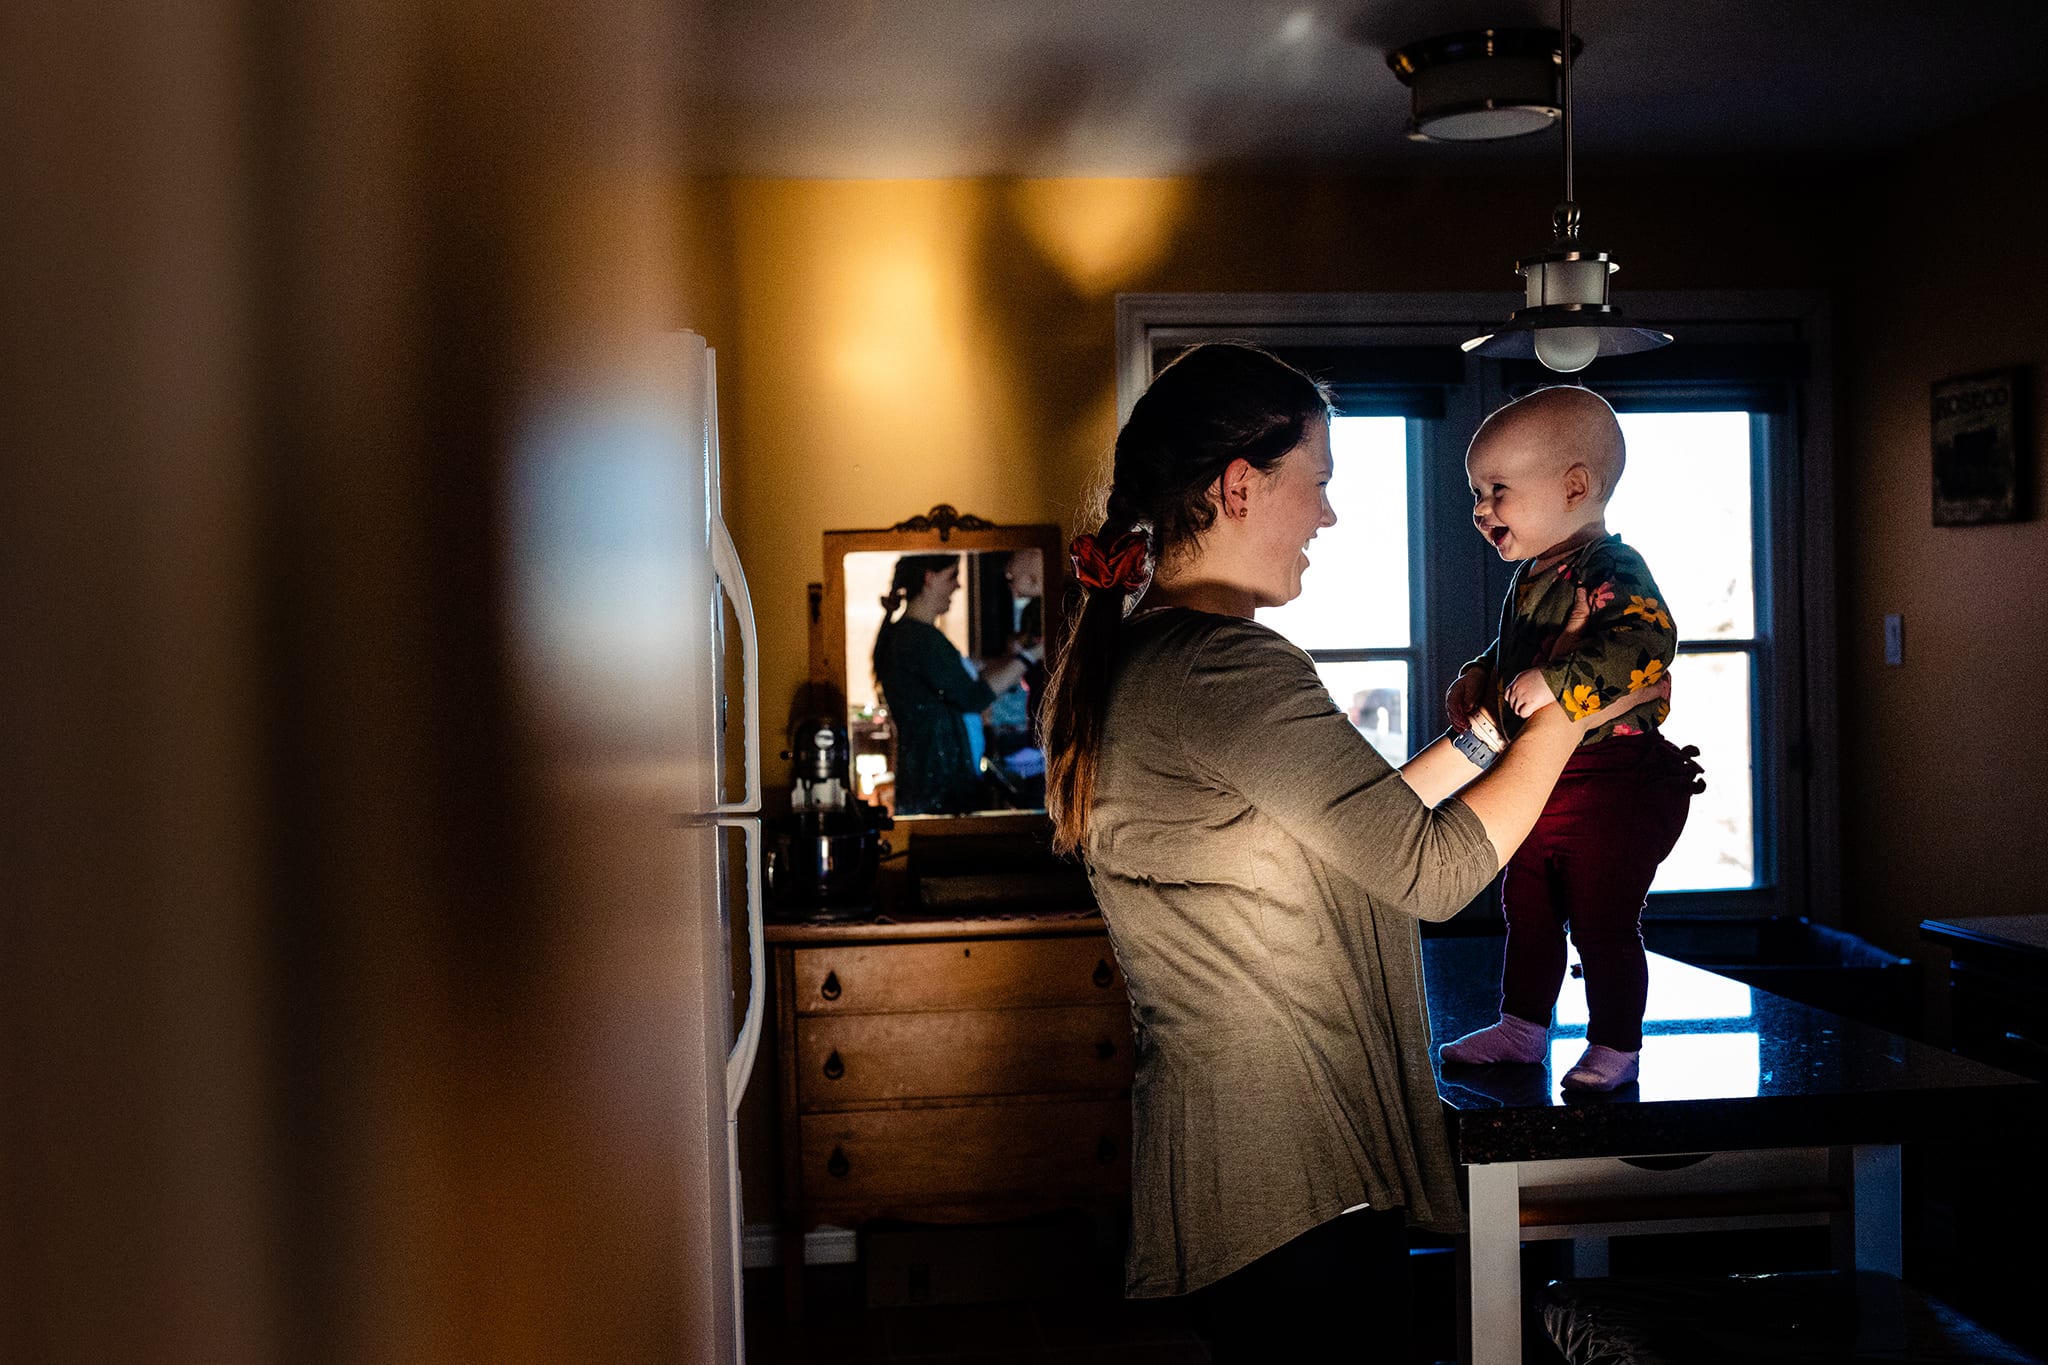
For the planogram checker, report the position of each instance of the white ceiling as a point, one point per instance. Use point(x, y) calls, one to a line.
point(1151, 87)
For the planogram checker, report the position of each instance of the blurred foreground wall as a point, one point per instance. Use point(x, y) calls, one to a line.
point(338, 1015)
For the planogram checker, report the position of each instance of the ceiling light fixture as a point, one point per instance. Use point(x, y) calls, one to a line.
point(1567, 321)
point(1481, 86)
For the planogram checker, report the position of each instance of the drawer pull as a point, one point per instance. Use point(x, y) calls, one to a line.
point(834, 1068)
point(838, 1165)
point(1103, 974)
point(830, 990)
point(1105, 1049)
point(1105, 1150)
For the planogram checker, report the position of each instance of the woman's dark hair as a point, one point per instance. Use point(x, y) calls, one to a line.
point(906, 582)
point(1211, 405)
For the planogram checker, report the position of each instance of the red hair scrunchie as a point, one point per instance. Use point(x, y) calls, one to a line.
point(1123, 567)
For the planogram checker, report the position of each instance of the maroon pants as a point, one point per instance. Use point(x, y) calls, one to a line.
point(1614, 815)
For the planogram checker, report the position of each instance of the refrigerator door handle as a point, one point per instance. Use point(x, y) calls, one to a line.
point(725, 562)
point(739, 1063)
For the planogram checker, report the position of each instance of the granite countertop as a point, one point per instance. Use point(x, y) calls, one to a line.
point(1725, 1067)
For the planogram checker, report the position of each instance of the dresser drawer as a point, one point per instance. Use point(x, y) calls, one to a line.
point(857, 1058)
point(900, 1158)
point(985, 974)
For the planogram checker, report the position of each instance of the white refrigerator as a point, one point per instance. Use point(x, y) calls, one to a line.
point(723, 713)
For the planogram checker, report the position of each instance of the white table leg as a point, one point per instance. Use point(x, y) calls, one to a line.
point(1870, 1237)
point(1490, 1328)
point(1589, 1258)
point(1879, 1196)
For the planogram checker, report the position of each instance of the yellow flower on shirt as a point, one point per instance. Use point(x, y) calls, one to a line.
point(1640, 678)
point(1582, 700)
point(1649, 608)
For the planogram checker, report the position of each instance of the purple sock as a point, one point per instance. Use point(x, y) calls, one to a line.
point(1602, 1068)
point(1513, 1039)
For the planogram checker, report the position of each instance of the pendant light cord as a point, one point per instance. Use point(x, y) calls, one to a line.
point(1564, 11)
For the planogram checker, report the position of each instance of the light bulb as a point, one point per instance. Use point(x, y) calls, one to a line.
point(1567, 349)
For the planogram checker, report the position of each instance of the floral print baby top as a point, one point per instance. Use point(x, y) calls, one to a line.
point(1627, 644)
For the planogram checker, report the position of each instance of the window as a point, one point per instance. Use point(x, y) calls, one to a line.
point(1686, 503)
point(1727, 441)
point(1363, 643)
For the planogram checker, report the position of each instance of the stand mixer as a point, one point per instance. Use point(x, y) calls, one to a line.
point(827, 850)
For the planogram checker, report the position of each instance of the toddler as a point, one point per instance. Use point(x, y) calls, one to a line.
point(1542, 470)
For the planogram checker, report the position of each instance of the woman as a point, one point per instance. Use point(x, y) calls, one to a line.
point(1260, 870)
point(929, 690)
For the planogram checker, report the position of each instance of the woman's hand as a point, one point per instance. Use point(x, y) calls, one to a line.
point(1529, 693)
point(1001, 677)
point(1466, 695)
point(1657, 691)
point(1567, 640)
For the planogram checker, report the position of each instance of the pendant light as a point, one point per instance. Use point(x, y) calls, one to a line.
point(1482, 85)
point(1566, 320)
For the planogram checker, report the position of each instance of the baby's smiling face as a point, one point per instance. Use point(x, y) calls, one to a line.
point(1521, 497)
point(1541, 470)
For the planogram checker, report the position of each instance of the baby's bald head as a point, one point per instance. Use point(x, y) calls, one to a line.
point(1573, 425)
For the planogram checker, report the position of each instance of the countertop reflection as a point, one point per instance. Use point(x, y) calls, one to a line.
point(1725, 1067)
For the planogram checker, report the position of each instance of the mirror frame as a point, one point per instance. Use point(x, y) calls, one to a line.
point(938, 531)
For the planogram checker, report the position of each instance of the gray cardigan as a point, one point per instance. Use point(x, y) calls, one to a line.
point(1260, 869)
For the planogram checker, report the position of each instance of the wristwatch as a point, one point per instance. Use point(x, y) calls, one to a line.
point(1473, 747)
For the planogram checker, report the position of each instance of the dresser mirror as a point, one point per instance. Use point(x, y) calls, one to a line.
point(934, 631)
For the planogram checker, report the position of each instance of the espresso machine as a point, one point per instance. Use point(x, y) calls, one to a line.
point(826, 852)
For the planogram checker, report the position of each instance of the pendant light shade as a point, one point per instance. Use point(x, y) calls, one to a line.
point(1566, 321)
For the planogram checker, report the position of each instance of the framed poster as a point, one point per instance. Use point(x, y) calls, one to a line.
point(1980, 454)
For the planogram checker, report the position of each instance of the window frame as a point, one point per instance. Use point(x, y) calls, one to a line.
point(1415, 653)
point(1794, 733)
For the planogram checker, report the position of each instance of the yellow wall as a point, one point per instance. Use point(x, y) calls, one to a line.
point(1944, 760)
point(895, 344)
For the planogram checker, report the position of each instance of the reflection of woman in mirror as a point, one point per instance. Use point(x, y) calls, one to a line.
point(1025, 573)
point(1013, 719)
point(930, 690)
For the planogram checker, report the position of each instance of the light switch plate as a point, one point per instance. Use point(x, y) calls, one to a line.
point(1894, 639)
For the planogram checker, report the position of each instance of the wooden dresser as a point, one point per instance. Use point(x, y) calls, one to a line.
point(948, 1071)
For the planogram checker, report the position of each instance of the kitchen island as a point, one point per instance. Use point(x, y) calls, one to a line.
point(1752, 1111)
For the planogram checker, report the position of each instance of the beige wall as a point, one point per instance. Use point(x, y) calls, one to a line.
point(1944, 764)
